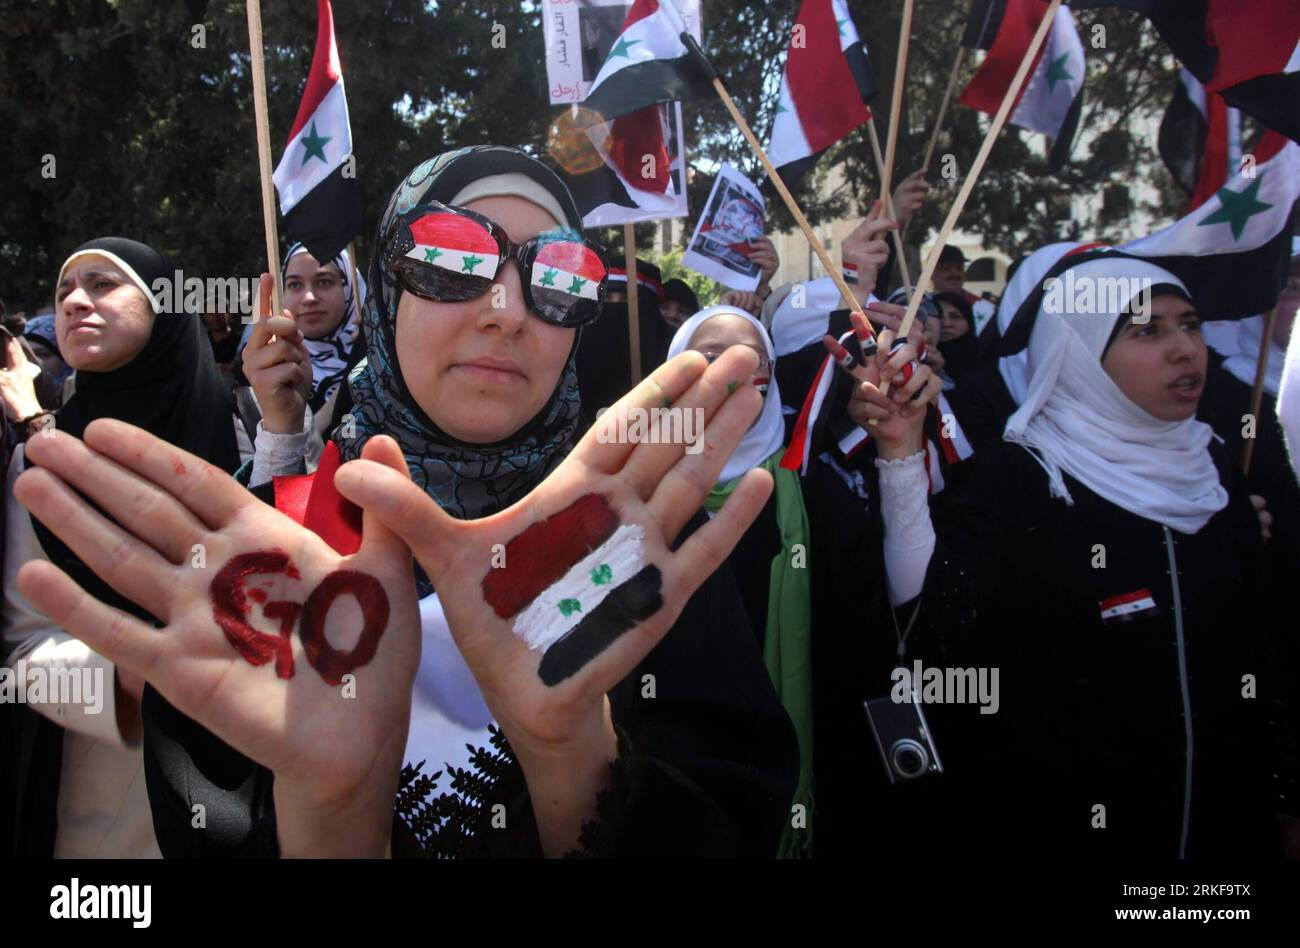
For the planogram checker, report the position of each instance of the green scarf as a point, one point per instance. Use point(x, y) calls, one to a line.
point(787, 640)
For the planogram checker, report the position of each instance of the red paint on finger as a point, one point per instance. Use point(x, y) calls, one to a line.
point(178, 467)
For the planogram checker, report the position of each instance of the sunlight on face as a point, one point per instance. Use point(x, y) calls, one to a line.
point(481, 373)
point(1160, 366)
point(102, 320)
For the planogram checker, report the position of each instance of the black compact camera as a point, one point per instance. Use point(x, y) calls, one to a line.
point(904, 739)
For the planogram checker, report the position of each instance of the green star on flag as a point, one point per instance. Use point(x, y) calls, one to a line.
point(577, 285)
point(840, 25)
point(314, 143)
point(469, 263)
point(569, 606)
point(621, 48)
point(431, 254)
point(602, 574)
point(1056, 72)
point(548, 278)
point(1237, 207)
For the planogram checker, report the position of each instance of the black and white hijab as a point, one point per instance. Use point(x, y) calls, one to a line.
point(467, 480)
point(331, 353)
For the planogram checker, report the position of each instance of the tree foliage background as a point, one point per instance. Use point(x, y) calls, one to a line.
point(153, 137)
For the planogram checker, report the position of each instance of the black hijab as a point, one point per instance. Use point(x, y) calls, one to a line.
point(962, 354)
point(172, 389)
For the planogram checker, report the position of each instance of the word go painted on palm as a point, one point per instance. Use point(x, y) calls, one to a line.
point(652, 426)
point(1087, 296)
point(935, 685)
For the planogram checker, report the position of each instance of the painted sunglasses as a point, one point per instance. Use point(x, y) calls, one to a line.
point(450, 254)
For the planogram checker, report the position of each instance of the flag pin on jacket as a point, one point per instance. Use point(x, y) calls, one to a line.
point(1127, 607)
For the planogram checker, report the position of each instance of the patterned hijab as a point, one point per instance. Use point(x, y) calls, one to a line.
point(467, 480)
point(330, 353)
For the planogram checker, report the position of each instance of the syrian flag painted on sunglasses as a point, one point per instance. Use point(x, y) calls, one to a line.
point(648, 64)
point(456, 244)
point(573, 583)
point(321, 205)
point(824, 89)
point(567, 268)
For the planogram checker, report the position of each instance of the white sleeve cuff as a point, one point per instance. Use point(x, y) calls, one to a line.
point(277, 454)
point(909, 534)
point(63, 679)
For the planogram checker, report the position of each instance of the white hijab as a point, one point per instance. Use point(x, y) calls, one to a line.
point(1075, 420)
point(1238, 342)
point(768, 433)
point(1027, 278)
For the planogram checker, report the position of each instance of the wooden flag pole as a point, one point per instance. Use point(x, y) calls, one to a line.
point(888, 200)
point(633, 301)
point(831, 270)
point(896, 100)
point(932, 259)
point(943, 109)
point(1257, 393)
point(264, 151)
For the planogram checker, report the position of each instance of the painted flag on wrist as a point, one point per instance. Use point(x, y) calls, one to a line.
point(1051, 96)
point(1246, 50)
point(573, 583)
point(316, 182)
point(824, 90)
point(648, 64)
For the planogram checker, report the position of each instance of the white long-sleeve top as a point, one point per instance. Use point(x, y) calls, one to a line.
point(103, 806)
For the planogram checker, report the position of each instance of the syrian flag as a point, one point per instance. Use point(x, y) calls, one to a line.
point(1196, 139)
point(1127, 607)
point(1051, 97)
point(824, 90)
point(573, 583)
point(567, 268)
point(642, 173)
point(456, 244)
point(649, 63)
point(321, 205)
point(1232, 252)
point(1248, 51)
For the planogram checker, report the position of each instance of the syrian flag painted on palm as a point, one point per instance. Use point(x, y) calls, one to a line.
point(320, 202)
point(1232, 252)
point(648, 64)
point(1248, 51)
point(573, 583)
point(824, 89)
point(1052, 95)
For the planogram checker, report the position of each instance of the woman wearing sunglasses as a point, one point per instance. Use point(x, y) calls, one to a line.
point(637, 710)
